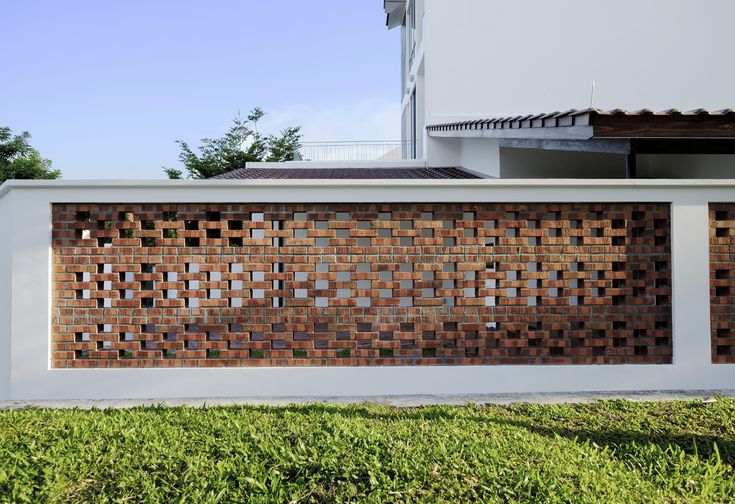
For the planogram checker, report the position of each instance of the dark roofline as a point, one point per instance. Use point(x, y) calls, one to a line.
point(594, 123)
point(612, 132)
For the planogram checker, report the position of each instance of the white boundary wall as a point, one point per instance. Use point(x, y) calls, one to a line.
point(25, 311)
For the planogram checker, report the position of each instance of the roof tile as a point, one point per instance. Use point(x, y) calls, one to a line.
point(672, 122)
point(347, 173)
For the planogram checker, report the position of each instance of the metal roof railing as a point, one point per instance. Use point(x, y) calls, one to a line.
point(388, 150)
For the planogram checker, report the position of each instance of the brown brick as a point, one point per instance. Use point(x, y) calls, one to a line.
point(550, 287)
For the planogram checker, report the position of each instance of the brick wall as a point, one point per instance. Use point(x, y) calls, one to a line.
point(722, 281)
point(360, 285)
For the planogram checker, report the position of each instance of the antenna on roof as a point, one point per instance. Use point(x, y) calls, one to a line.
point(592, 94)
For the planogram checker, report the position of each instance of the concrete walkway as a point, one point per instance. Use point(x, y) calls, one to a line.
point(400, 401)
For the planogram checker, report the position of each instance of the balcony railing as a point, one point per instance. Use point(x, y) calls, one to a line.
point(355, 151)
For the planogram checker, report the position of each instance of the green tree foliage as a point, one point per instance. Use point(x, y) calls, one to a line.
point(18, 160)
point(242, 143)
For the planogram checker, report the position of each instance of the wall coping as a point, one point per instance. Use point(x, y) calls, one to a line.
point(9, 185)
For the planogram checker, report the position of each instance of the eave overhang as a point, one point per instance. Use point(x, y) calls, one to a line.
point(614, 131)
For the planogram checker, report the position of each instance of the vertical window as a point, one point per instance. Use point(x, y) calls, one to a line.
point(412, 32)
point(404, 58)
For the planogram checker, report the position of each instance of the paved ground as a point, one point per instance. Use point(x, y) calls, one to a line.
point(406, 401)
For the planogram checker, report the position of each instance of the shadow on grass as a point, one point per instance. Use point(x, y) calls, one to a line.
point(621, 442)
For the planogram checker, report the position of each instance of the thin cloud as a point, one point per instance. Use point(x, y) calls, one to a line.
point(366, 120)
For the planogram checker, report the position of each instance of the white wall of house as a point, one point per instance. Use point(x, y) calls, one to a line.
point(26, 339)
point(487, 58)
point(444, 151)
point(413, 77)
point(420, 113)
point(481, 156)
point(490, 58)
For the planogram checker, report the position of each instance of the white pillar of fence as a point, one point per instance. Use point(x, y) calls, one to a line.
point(6, 219)
point(25, 287)
point(690, 285)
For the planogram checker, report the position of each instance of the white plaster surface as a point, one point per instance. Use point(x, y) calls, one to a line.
point(444, 151)
point(497, 57)
point(493, 58)
point(481, 156)
point(6, 219)
point(690, 285)
point(31, 378)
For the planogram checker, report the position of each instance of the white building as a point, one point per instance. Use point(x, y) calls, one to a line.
point(464, 60)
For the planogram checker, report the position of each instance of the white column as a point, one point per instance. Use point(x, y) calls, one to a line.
point(690, 288)
point(6, 218)
point(31, 291)
point(441, 152)
point(481, 155)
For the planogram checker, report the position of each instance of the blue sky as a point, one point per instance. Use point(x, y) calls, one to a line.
point(106, 87)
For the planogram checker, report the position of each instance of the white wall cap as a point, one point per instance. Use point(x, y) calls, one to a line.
point(372, 183)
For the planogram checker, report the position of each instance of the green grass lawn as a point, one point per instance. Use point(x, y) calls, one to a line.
point(609, 451)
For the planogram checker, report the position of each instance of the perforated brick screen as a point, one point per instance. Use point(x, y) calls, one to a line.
point(360, 285)
point(722, 281)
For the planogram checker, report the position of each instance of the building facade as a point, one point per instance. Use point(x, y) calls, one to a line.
point(478, 59)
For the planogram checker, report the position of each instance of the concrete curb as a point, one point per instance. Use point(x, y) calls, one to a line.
point(398, 401)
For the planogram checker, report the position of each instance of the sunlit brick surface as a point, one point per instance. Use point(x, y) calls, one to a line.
point(197, 285)
point(722, 281)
